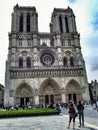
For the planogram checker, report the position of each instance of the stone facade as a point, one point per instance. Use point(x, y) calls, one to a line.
point(1, 95)
point(44, 68)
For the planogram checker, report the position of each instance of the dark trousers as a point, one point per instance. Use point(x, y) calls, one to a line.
point(81, 118)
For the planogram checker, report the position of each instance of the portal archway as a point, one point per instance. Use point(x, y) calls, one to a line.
point(49, 92)
point(73, 91)
point(24, 95)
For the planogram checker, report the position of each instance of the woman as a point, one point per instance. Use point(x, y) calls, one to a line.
point(80, 109)
point(71, 114)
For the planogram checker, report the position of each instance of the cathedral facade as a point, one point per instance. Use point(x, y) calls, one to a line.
point(44, 68)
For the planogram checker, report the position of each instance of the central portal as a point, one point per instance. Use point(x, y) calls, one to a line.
point(49, 92)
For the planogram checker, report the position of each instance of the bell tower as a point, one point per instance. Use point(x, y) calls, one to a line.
point(24, 19)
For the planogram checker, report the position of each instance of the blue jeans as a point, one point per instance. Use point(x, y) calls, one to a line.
point(81, 118)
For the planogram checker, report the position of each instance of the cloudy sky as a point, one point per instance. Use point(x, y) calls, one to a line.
point(86, 12)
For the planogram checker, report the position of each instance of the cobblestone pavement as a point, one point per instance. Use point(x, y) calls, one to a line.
point(56, 122)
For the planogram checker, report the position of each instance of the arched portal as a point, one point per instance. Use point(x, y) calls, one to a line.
point(73, 91)
point(49, 92)
point(24, 95)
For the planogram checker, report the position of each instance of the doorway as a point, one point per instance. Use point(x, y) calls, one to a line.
point(49, 99)
point(72, 97)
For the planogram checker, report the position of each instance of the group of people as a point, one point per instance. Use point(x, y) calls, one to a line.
point(73, 113)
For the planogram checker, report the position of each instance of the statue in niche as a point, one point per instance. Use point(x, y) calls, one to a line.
point(36, 92)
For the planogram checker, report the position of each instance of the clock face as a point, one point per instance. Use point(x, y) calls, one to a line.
point(47, 59)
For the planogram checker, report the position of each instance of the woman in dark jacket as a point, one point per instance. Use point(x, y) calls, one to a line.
point(80, 108)
point(71, 114)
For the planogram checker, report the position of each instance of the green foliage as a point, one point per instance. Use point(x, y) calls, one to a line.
point(25, 113)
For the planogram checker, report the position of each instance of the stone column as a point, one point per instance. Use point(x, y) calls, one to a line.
point(54, 24)
point(35, 22)
point(36, 97)
point(31, 23)
point(13, 24)
point(63, 98)
point(74, 24)
point(24, 23)
point(17, 23)
point(63, 21)
point(70, 23)
point(57, 24)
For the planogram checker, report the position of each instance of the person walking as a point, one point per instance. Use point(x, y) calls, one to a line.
point(80, 108)
point(71, 111)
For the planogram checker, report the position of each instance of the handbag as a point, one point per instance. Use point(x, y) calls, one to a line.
point(76, 114)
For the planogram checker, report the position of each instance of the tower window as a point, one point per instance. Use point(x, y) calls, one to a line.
point(61, 25)
point(21, 24)
point(28, 23)
point(65, 61)
point(66, 24)
point(28, 62)
point(21, 63)
point(71, 61)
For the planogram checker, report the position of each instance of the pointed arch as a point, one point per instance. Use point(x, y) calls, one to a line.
point(28, 22)
point(24, 95)
point(71, 61)
point(20, 62)
point(60, 23)
point(66, 24)
point(49, 92)
point(21, 23)
point(28, 62)
point(73, 91)
point(65, 61)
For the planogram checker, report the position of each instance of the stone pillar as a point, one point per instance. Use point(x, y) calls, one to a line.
point(70, 23)
point(35, 22)
point(54, 24)
point(36, 97)
point(68, 62)
point(17, 23)
point(24, 23)
point(11, 101)
point(13, 25)
point(74, 24)
point(57, 24)
point(63, 98)
point(31, 23)
point(63, 21)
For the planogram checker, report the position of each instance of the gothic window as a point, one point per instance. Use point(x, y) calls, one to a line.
point(65, 61)
point(21, 23)
point(20, 63)
point(28, 23)
point(66, 24)
point(61, 25)
point(71, 61)
point(28, 62)
point(20, 42)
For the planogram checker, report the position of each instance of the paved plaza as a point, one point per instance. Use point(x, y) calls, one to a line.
point(56, 122)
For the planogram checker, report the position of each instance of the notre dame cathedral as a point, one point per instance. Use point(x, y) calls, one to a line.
point(44, 68)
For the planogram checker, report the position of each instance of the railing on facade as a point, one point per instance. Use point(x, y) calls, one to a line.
point(41, 71)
